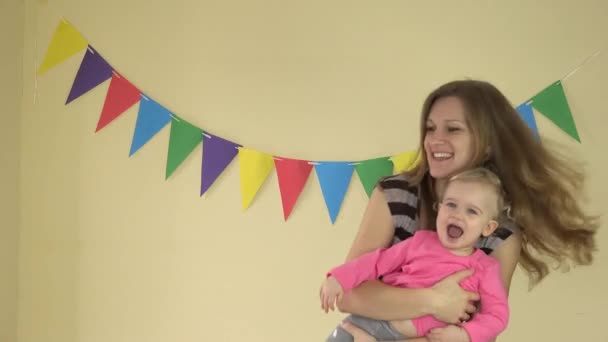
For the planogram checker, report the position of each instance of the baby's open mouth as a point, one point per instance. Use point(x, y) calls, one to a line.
point(454, 231)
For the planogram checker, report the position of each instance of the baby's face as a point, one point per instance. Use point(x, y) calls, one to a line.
point(465, 214)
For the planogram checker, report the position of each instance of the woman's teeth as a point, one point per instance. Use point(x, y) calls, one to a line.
point(442, 155)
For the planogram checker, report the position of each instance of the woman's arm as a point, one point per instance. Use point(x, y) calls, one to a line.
point(507, 254)
point(373, 298)
point(376, 229)
point(379, 301)
point(446, 300)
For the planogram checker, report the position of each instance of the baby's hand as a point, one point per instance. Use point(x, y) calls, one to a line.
point(450, 333)
point(331, 291)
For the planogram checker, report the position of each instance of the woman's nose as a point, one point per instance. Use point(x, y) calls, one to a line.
point(437, 138)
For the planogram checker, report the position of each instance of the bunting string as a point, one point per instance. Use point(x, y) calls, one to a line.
point(587, 60)
point(254, 166)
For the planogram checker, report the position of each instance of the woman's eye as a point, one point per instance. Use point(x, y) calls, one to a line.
point(453, 129)
point(430, 129)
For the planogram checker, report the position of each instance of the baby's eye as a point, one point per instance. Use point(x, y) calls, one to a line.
point(450, 204)
point(472, 211)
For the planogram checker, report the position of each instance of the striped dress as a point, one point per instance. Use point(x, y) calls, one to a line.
point(402, 201)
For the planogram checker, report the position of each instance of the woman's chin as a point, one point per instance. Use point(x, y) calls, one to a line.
point(439, 173)
point(444, 172)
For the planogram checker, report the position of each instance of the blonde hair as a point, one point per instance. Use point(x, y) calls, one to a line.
point(540, 185)
point(490, 179)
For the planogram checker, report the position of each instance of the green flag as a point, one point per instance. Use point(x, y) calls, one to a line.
point(183, 139)
point(552, 103)
point(370, 171)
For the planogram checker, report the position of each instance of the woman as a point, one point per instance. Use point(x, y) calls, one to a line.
point(465, 124)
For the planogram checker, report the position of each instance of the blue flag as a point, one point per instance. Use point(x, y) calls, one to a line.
point(151, 118)
point(526, 113)
point(334, 178)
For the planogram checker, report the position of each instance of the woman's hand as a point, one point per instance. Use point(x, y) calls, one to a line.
point(359, 335)
point(450, 303)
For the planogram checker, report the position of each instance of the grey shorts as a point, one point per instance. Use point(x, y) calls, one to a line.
point(381, 330)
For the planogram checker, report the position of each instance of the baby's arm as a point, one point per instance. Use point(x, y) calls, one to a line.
point(366, 267)
point(371, 265)
point(493, 316)
point(449, 333)
point(331, 292)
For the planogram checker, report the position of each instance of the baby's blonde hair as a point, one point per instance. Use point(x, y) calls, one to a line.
point(484, 176)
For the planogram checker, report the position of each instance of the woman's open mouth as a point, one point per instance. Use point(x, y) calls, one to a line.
point(441, 156)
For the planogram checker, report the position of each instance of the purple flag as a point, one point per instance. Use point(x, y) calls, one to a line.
point(93, 71)
point(217, 154)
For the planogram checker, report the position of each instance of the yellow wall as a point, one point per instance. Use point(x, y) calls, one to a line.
point(11, 42)
point(111, 252)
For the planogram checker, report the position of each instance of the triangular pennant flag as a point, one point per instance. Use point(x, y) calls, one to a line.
point(120, 97)
point(254, 169)
point(552, 103)
point(292, 175)
point(66, 42)
point(404, 161)
point(527, 114)
point(93, 71)
point(334, 178)
point(371, 170)
point(217, 154)
point(151, 118)
point(184, 137)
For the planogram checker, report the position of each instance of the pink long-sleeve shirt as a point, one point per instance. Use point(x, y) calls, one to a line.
point(421, 261)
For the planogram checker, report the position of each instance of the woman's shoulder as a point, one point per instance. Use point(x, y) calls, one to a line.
point(398, 188)
point(503, 232)
point(400, 194)
point(397, 181)
point(402, 200)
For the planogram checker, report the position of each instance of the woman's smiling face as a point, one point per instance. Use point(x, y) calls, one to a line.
point(448, 141)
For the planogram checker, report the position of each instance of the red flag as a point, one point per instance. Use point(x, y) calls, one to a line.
point(121, 95)
point(292, 175)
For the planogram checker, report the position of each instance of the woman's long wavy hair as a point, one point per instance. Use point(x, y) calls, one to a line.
point(541, 184)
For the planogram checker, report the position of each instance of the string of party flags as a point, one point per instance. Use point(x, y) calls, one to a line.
point(254, 166)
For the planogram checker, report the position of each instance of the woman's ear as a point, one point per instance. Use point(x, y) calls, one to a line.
point(489, 228)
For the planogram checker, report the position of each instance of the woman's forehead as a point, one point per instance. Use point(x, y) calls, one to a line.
point(447, 109)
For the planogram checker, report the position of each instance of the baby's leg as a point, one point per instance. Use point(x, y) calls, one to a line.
point(339, 335)
point(406, 328)
point(381, 330)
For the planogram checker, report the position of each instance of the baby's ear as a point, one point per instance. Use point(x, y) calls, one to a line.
point(489, 228)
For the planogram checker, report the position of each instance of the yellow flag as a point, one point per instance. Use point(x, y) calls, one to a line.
point(66, 42)
point(254, 168)
point(405, 161)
